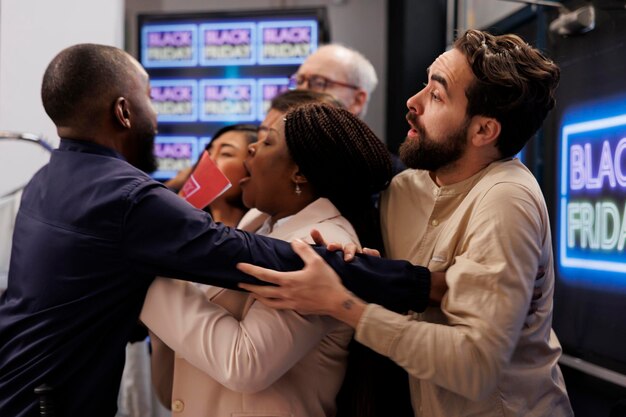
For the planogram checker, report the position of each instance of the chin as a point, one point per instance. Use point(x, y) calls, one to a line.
point(247, 202)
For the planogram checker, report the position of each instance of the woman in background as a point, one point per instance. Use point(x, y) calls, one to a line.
point(235, 356)
point(228, 149)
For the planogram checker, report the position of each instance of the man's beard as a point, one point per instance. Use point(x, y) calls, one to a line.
point(144, 158)
point(426, 153)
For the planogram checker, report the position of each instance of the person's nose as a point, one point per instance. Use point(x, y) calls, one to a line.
point(252, 149)
point(415, 102)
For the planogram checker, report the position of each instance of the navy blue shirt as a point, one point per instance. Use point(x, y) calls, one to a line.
point(91, 233)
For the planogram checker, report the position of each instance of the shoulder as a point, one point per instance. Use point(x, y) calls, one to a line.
point(326, 218)
point(509, 194)
point(408, 188)
point(337, 230)
point(509, 179)
point(408, 180)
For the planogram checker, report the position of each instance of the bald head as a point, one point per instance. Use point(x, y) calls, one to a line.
point(101, 94)
point(83, 81)
point(345, 65)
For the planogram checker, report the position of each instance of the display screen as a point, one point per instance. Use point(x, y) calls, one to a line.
point(209, 70)
point(578, 158)
point(589, 196)
point(591, 219)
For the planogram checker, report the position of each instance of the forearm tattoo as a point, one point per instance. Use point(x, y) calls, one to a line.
point(348, 303)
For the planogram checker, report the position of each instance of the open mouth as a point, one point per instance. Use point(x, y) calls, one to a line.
point(414, 130)
point(412, 133)
point(247, 177)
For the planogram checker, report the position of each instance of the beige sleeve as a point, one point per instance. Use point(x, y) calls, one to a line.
point(245, 356)
point(490, 285)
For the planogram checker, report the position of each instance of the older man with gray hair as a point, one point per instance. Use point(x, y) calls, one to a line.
point(341, 72)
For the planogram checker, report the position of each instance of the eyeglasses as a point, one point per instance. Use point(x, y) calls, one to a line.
point(316, 82)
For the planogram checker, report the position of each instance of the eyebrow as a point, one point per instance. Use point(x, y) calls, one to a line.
point(223, 145)
point(438, 78)
point(268, 129)
point(228, 145)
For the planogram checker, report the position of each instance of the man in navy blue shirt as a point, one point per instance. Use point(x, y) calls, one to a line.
point(93, 230)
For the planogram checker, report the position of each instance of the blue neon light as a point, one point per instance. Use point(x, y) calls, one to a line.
point(174, 153)
point(265, 96)
point(234, 114)
point(592, 195)
point(188, 116)
point(298, 58)
point(150, 61)
point(246, 59)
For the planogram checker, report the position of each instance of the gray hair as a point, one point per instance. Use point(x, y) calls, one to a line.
point(359, 70)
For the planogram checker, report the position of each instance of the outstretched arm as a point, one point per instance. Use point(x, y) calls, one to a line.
point(316, 289)
point(164, 235)
point(438, 286)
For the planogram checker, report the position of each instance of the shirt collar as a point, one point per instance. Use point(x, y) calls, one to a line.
point(269, 227)
point(77, 145)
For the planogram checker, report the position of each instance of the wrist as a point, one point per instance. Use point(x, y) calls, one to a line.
point(347, 308)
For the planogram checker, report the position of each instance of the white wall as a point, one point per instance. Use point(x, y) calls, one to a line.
point(360, 24)
point(478, 14)
point(32, 32)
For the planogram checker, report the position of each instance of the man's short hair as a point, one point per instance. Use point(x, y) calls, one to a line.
point(515, 84)
point(358, 69)
point(82, 79)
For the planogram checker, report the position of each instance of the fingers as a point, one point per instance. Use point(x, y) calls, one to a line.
point(334, 247)
point(349, 250)
point(318, 238)
point(262, 290)
point(372, 252)
point(264, 274)
point(302, 249)
point(305, 252)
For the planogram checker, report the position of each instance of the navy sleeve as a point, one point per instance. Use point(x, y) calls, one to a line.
point(164, 235)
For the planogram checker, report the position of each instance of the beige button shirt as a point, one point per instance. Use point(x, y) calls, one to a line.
point(481, 353)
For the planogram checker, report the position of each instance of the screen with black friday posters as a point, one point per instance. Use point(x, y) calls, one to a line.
point(579, 159)
point(589, 194)
point(208, 70)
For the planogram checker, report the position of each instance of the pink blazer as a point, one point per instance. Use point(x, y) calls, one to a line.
point(236, 357)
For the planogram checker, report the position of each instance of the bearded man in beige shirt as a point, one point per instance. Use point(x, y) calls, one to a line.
point(469, 208)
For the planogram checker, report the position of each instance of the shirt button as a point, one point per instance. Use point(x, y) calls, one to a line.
point(178, 406)
point(435, 191)
point(435, 222)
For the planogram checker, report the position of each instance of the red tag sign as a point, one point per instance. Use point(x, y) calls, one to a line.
point(205, 183)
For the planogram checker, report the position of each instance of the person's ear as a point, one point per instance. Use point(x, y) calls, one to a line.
point(297, 177)
point(121, 112)
point(360, 98)
point(485, 131)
